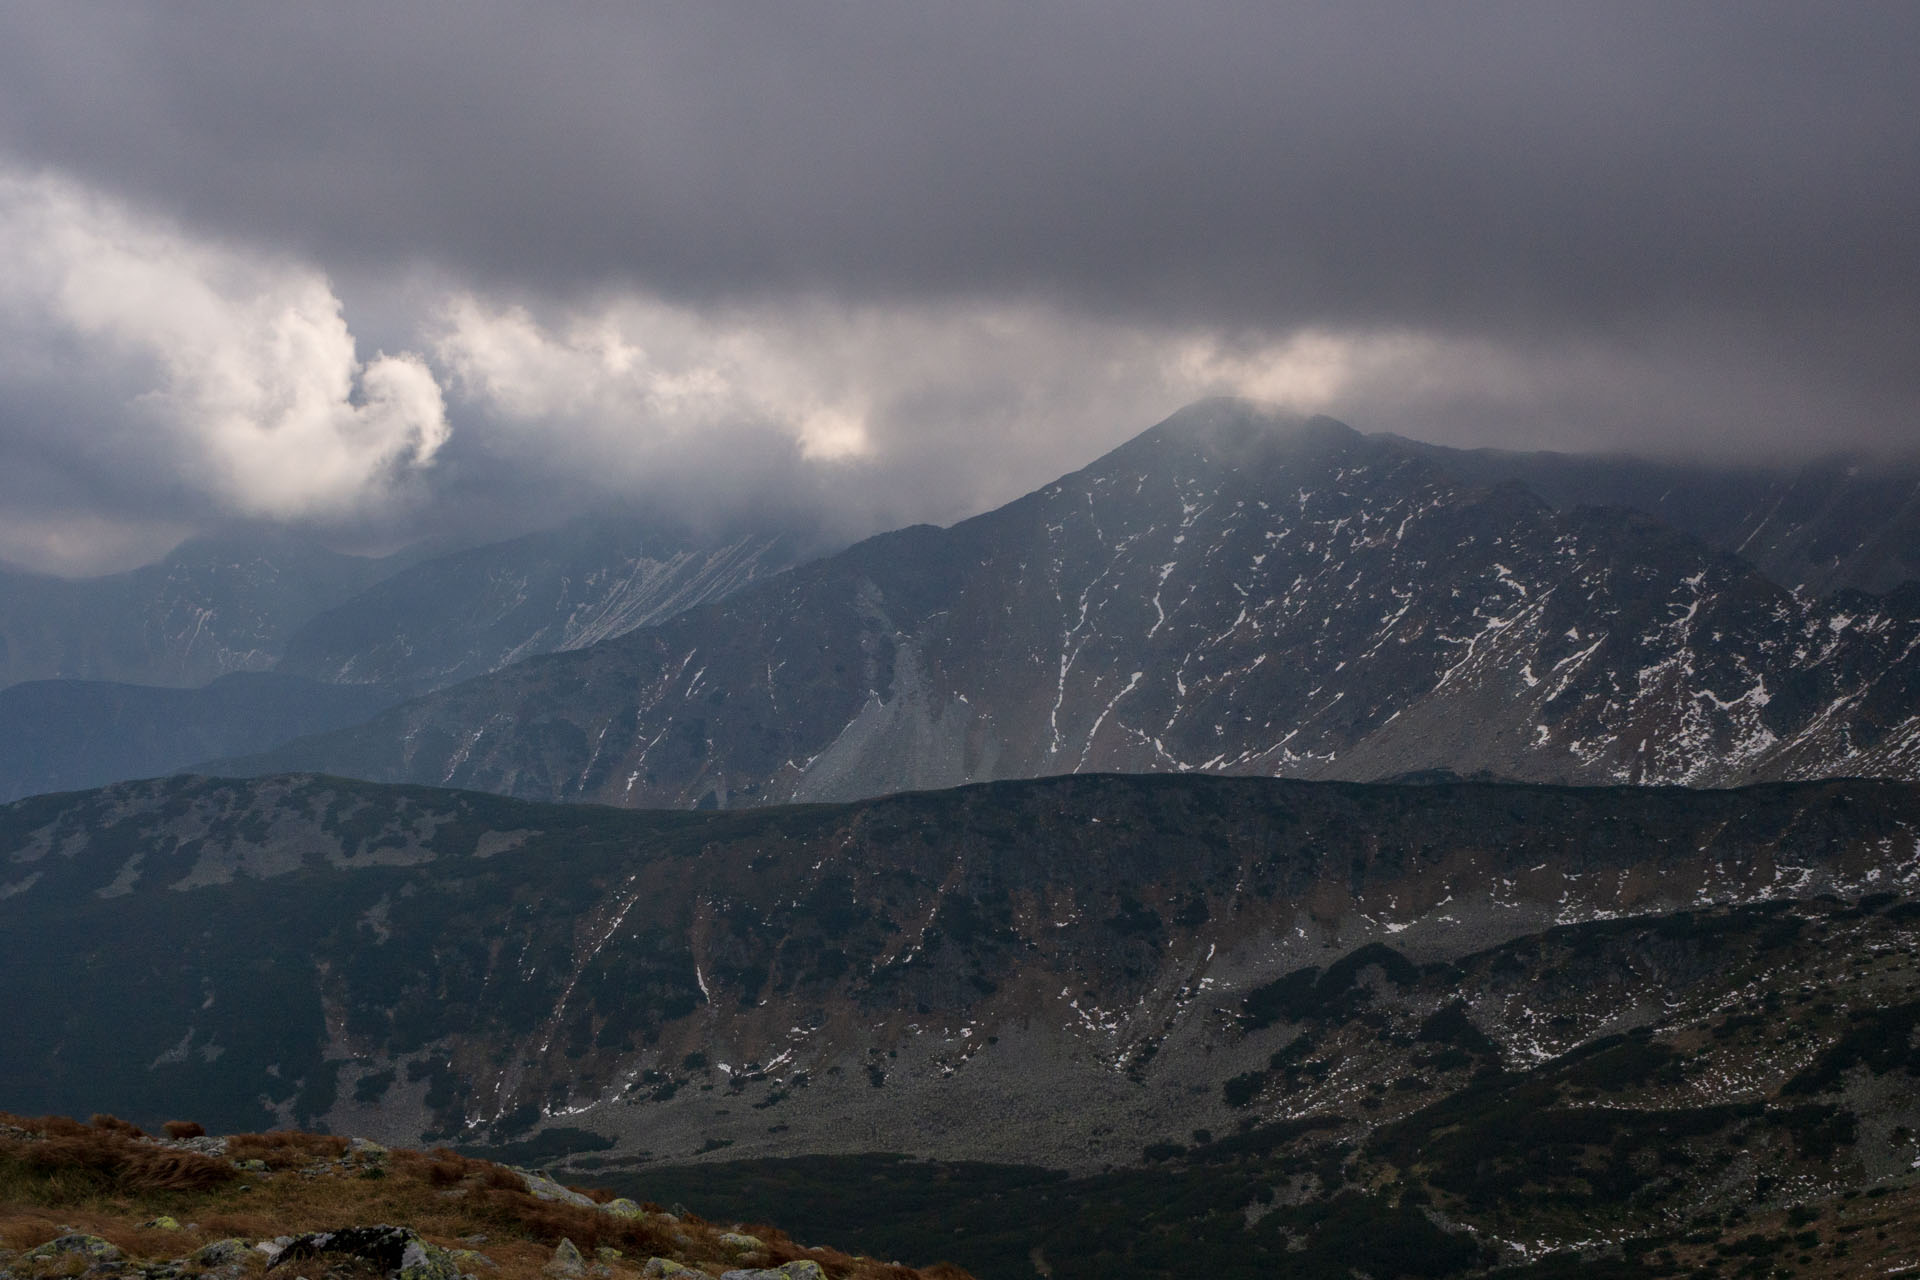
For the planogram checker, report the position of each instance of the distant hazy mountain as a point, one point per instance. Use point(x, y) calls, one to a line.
point(478, 610)
point(1818, 528)
point(63, 735)
point(1594, 1017)
point(1230, 592)
point(238, 604)
point(214, 605)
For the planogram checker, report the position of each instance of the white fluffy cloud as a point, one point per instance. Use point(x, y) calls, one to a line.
point(969, 401)
point(636, 374)
point(234, 372)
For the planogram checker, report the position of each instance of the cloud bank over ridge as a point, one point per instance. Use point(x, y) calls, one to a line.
point(380, 269)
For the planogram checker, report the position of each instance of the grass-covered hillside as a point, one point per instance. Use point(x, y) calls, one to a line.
point(104, 1198)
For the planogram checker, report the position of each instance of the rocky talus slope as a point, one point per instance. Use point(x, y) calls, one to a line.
point(478, 610)
point(1231, 592)
point(106, 1200)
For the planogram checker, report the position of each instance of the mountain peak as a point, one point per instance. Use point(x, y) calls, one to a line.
point(1233, 421)
point(1235, 434)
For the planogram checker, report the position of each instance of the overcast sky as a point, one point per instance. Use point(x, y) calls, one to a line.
point(385, 269)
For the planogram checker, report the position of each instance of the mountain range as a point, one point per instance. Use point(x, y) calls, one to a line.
point(475, 611)
point(1233, 592)
point(1820, 527)
point(212, 606)
point(290, 639)
point(1253, 1017)
point(1269, 849)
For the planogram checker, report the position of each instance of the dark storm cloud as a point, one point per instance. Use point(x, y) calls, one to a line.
point(845, 264)
point(1349, 164)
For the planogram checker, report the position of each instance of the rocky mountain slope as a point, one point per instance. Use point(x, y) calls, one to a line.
point(106, 1199)
point(247, 604)
point(1247, 1021)
point(1820, 527)
point(1230, 592)
point(478, 610)
point(213, 606)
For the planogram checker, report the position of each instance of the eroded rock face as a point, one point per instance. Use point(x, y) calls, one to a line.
point(398, 1251)
point(566, 1264)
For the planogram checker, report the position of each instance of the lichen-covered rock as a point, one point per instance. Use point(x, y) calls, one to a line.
point(738, 1243)
point(623, 1208)
point(164, 1222)
point(667, 1269)
point(567, 1262)
point(798, 1269)
point(93, 1249)
point(221, 1252)
point(541, 1187)
point(423, 1261)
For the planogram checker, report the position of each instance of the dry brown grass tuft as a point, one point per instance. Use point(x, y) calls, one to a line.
point(114, 1124)
point(23, 1229)
point(62, 1126)
point(110, 1159)
point(178, 1129)
point(511, 1208)
point(26, 1228)
point(285, 1148)
point(443, 1168)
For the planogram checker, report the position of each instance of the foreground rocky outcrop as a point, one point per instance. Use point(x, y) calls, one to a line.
point(106, 1200)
